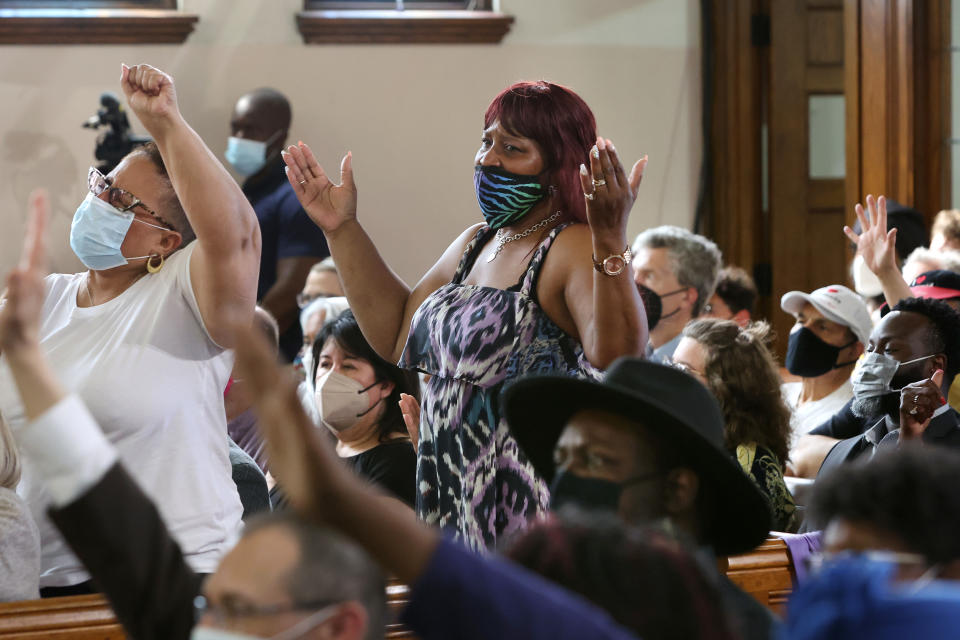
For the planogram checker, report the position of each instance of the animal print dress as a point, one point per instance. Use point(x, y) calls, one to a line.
point(472, 479)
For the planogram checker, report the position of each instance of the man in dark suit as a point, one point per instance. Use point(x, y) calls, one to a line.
point(912, 358)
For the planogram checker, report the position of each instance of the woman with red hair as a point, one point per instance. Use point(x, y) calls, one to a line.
point(497, 305)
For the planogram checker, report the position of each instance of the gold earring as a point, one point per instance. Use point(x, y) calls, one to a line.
point(150, 267)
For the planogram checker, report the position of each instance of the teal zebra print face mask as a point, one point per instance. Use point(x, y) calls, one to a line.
point(505, 197)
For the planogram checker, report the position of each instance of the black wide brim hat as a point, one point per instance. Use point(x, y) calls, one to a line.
point(670, 403)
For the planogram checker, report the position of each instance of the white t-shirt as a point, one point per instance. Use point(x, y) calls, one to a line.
point(153, 378)
point(811, 415)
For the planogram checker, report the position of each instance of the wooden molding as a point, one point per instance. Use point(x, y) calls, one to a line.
point(403, 27)
point(94, 26)
point(898, 113)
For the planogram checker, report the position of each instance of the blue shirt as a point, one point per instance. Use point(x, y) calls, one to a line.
point(287, 232)
point(466, 596)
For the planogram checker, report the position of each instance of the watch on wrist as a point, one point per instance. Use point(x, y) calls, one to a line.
point(613, 265)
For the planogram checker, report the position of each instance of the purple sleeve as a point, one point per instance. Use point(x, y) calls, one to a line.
point(461, 595)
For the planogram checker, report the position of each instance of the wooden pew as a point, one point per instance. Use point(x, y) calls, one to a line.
point(72, 618)
point(766, 573)
point(91, 618)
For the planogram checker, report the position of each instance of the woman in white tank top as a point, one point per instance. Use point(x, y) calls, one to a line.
point(172, 248)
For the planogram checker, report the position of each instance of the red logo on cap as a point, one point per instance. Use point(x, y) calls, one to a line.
point(832, 290)
point(920, 279)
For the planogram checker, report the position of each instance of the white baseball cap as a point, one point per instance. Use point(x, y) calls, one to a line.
point(836, 303)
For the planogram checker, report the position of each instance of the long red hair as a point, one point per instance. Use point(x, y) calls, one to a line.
point(561, 124)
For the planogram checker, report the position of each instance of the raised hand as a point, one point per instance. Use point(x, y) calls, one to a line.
point(299, 458)
point(410, 409)
point(151, 96)
point(329, 205)
point(875, 243)
point(610, 193)
point(918, 401)
point(23, 303)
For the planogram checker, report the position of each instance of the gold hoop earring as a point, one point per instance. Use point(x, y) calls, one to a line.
point(150, 267)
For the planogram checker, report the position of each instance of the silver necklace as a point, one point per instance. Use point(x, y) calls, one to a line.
point(502, 239)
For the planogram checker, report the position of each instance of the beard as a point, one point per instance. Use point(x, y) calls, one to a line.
point(875, 407)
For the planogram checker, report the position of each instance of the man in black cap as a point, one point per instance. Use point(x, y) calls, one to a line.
point(647, 442)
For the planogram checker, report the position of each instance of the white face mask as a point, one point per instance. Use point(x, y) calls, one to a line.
point(342, 401)
point(875, 373)
point(297, 630)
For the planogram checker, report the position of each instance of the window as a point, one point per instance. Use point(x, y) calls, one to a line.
point(89, 4)
point(93, 22)
point(399, 5)
point(402, 21)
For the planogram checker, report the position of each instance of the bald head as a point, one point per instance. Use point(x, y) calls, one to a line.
point(260, 115)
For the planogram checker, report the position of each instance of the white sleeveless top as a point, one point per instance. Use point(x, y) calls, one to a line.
point(153, 378)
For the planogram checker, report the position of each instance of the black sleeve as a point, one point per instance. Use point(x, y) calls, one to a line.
point(118, 534)
point(393, 467)
point(843, 424)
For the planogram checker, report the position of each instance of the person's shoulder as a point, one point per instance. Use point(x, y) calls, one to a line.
point(393, 450)
point(790, 390)
point(574, 236)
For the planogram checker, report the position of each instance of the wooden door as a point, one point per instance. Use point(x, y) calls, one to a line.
point(806, 151)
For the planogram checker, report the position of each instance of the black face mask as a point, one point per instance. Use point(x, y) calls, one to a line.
point(589, 493)
point(808, 356)
point(653, 304)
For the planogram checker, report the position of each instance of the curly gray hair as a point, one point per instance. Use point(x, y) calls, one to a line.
point(695, 260)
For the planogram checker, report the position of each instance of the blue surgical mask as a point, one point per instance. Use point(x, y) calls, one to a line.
point(98, 231)
point(246, 156)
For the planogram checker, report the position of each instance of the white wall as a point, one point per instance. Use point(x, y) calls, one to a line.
point(411, 114)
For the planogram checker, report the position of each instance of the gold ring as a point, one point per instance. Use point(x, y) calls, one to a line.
point(600, 183)
point(916, 399)
point(303, 182)
point(914, 411)
point(589, 196)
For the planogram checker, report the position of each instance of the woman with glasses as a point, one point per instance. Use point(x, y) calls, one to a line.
point(171, 249)
point(737, 367)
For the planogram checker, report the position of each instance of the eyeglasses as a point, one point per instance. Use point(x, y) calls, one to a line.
point(223, 616)
point(97, 183)
point(303, 299)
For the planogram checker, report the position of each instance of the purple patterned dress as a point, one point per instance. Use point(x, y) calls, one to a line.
point(472, 480)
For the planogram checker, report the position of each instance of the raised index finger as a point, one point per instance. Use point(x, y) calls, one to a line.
point(34, 248)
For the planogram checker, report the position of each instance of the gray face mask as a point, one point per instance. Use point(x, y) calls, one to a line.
point(874, 375)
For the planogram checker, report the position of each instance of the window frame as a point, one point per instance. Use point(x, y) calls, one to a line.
point(94, 22)
point(437, 22)
point(74, 5)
